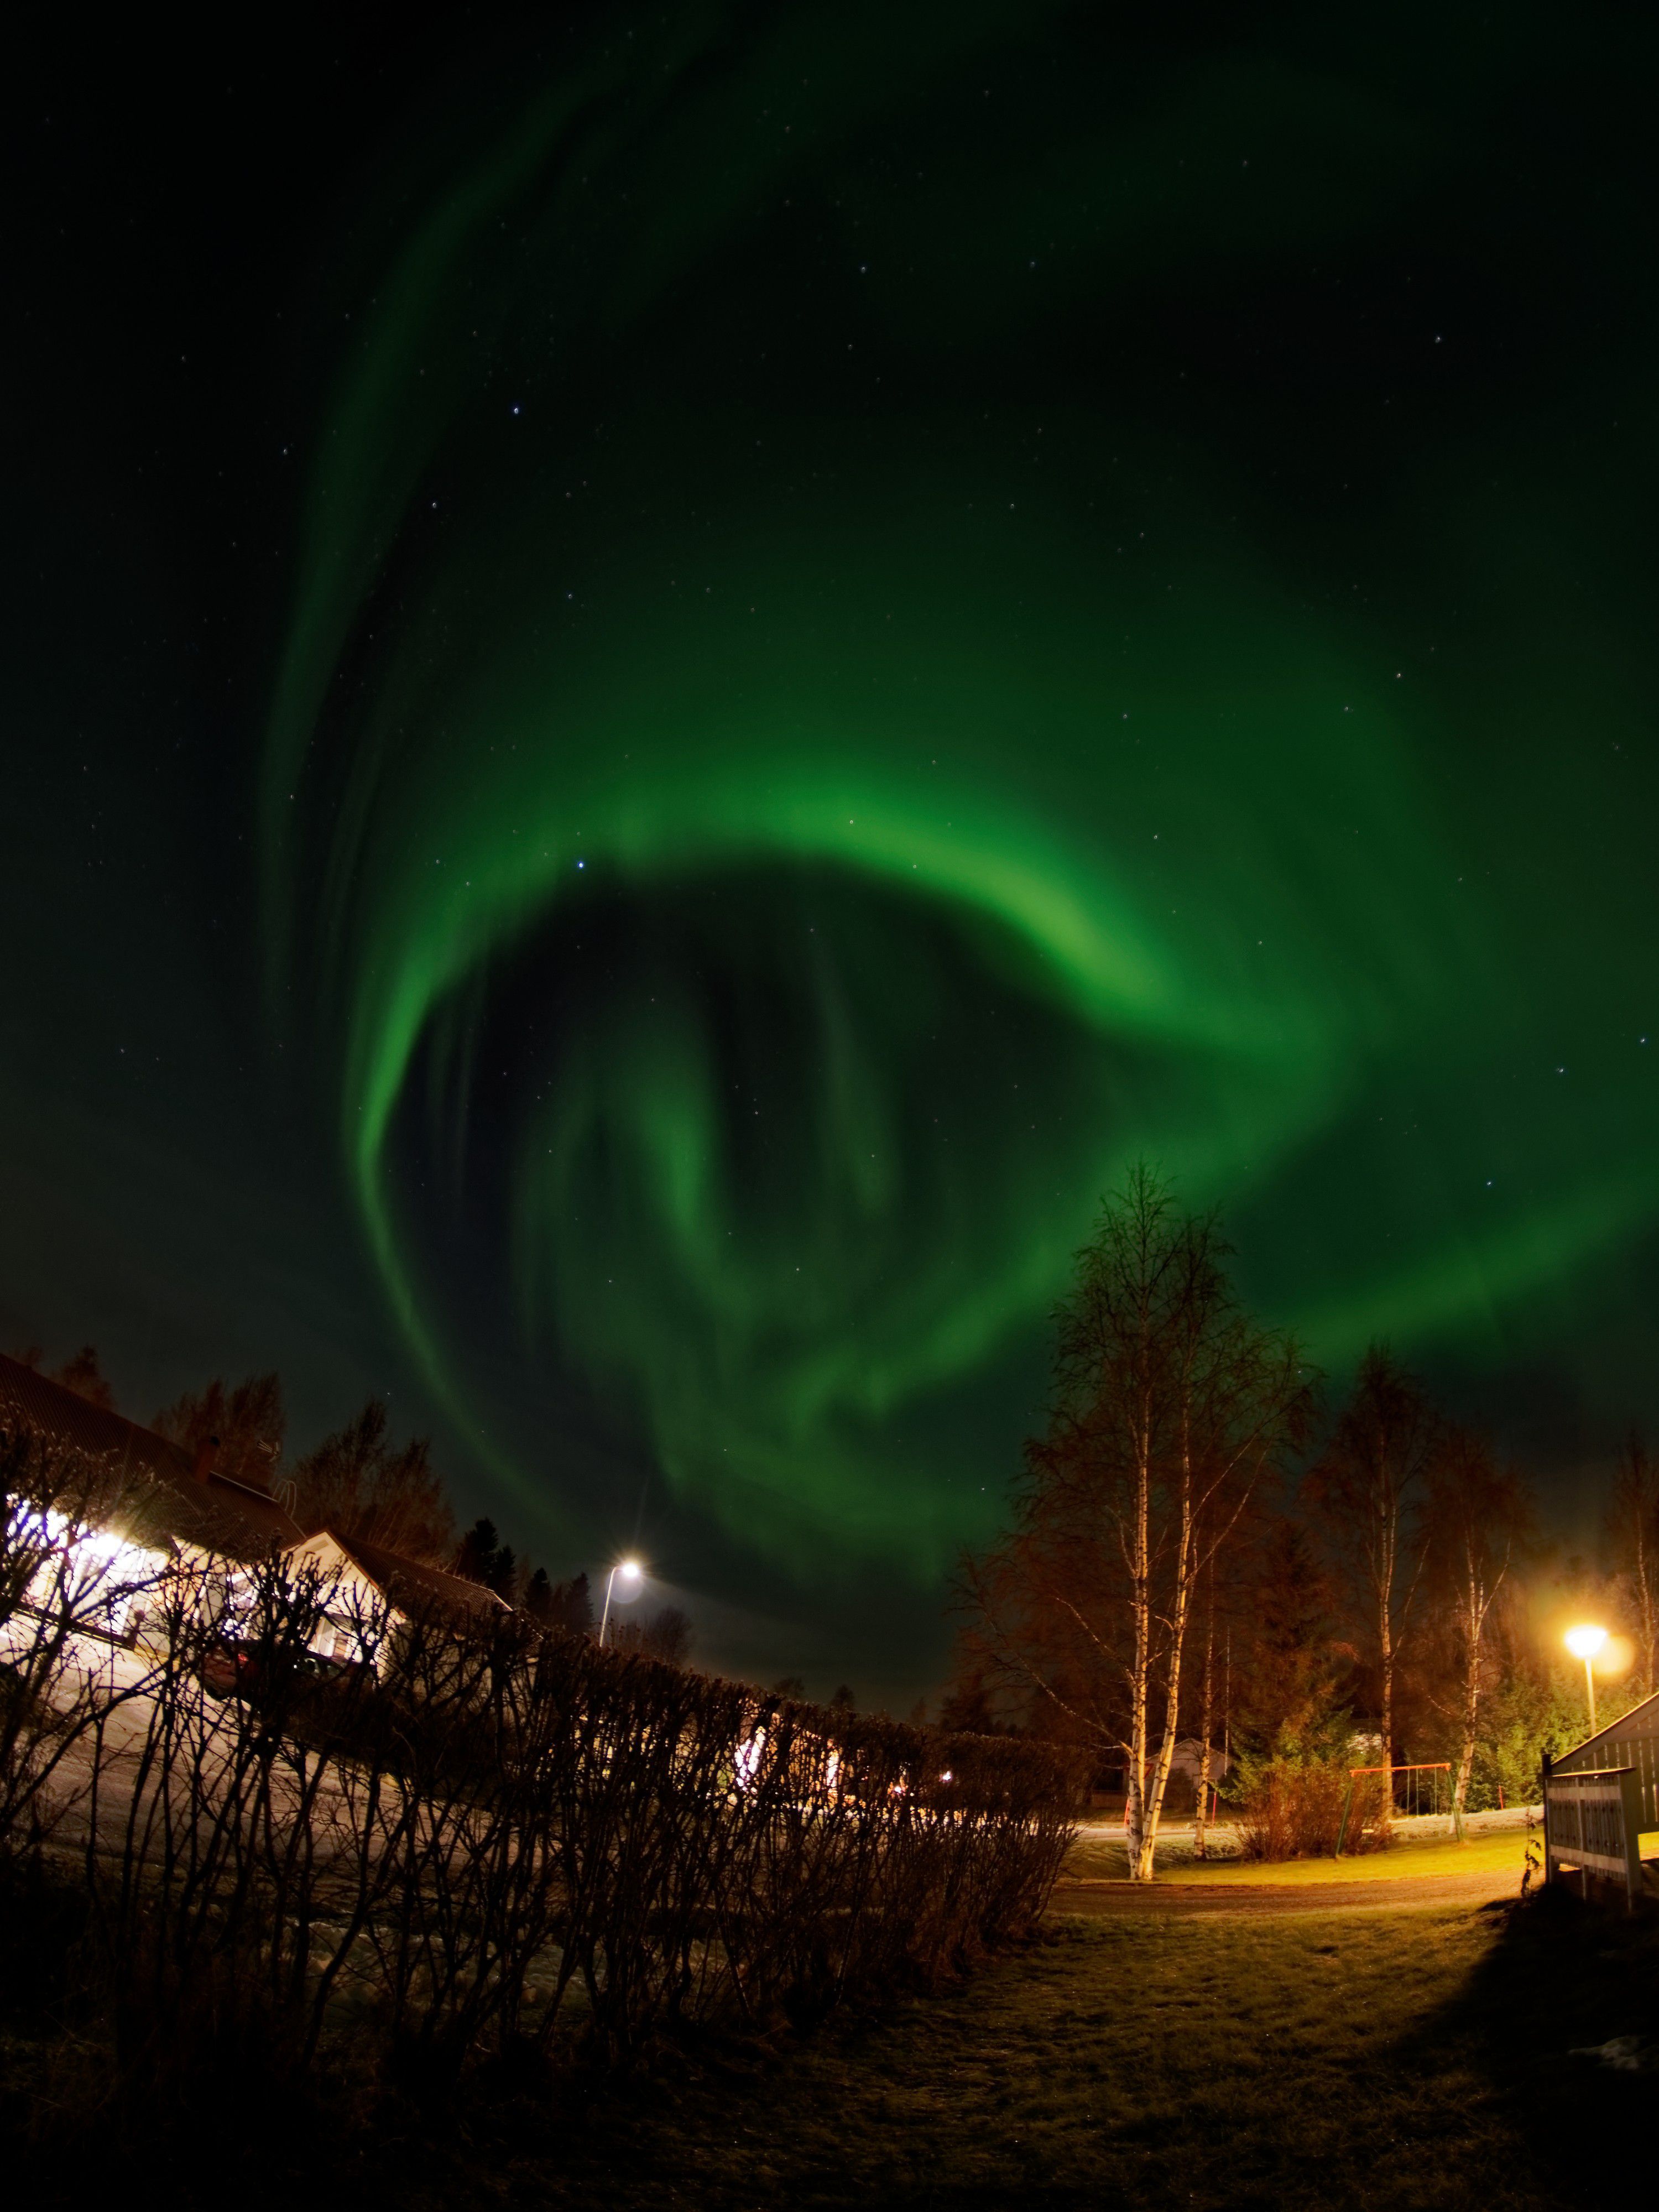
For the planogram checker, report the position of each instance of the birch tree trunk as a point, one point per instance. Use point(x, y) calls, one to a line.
point(1385, 1561)
point(1205, 1725)
point(1479, 1512)
point(1388, 1713)
point(1644, 1593)
point(1176, 1629)
point(1476, 1601)
point(1143, 1833)
point(1138, 1705)
point(1471, 1733)
point(1365, 1490)
point(1141, 1864)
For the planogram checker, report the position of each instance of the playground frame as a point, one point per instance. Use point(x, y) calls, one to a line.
point(1434, 1767)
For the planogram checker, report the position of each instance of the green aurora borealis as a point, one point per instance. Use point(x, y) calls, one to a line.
point(671, 677)
point(890, 616)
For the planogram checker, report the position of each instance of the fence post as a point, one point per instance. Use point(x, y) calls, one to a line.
point(1544, 1800)
point(1347, 1807)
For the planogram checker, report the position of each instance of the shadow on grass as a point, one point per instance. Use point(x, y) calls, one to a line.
point(1563, 1978)
point(1411, 2061)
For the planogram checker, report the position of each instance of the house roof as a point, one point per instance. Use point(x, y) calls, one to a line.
point(219, 1514)
point(1608, 1746)
point(1633, 1742)
point(416, 1583)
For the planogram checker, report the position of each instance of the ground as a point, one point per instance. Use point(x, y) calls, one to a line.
point(1409, 2056)
point(1311, 2040)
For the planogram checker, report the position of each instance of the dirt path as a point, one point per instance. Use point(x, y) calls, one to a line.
point(1256, 1899)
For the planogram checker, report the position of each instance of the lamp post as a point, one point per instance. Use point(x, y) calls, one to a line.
point(631, 1570)
point(1583, 1644)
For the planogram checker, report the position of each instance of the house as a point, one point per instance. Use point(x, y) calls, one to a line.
point(362, 1584)
point(182, 1500)
point(164, 1502)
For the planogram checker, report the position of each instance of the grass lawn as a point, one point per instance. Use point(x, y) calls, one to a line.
point(1500, 1851)
point(1402, 2062)
point(1410, 2061)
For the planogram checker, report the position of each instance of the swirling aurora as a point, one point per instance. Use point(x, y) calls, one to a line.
point(833, 702)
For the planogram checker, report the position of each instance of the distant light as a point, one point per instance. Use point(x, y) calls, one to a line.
point(631, 1569)
point(1584, 1642)
point(746, 1759)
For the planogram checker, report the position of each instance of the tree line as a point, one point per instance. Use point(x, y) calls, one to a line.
point(1202, 1552)
point(369, 1489)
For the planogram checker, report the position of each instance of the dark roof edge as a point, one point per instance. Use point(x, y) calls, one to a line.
point(1614, 1731)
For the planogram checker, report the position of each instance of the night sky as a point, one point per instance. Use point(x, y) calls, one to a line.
point(667, 688)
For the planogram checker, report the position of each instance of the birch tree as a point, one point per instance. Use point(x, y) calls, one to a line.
point(1477, 1516)
point(1633, 1542)
point(1366, 1491)
point(1206, 1775)
point(1169, 1408)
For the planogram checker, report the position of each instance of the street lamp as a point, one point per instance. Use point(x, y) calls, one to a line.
point(631, 1572)
point(1583, 1644)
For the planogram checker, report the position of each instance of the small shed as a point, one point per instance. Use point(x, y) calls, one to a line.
point(1632, 1740)
point(1601, 1798)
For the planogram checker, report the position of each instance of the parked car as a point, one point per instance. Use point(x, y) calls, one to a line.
point(257, 1672)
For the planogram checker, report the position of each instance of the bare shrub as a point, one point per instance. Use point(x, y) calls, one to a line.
point(1295, 1808)
point(215, 1847)
point(491, 1840)
point(78, 1566)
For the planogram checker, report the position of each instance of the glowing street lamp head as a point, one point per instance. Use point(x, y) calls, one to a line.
point(631, 1574)
point(1584, 1642)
